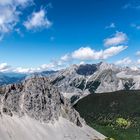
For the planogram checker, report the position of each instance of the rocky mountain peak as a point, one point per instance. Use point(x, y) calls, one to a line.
point(106, 66)
point(38, 99)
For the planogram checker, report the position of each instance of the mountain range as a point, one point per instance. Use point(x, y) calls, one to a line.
point(78, 81)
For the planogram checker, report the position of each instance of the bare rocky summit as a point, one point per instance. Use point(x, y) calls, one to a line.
point(35, 110)
point(38, 99)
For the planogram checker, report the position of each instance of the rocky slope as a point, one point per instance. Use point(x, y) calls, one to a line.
point(34, 109)
point(79, 80)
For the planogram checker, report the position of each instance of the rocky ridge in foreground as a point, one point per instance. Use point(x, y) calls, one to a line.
point(37, 100)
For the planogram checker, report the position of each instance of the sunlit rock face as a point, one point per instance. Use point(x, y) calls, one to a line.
point(77, 81)
point(38, 99)
point(35, 109)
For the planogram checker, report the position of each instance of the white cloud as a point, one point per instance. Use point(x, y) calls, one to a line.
point(82, 63)
point(85, 53)
point(8, 19)
point(135, 26)
point(138, 53)
point(112, 25)
point(126, 6)
point(66, 57)
point(23, 2)
point(9, 14)
point(24, 70)
point(138, 61)
point(117, 39)
point(6, 2)
point(4, 67)
point(125, 61)
point(50, 66)
point(32, 70)
point(37, 20)
point(90, 54)
point(134, 5)
point(15, 3)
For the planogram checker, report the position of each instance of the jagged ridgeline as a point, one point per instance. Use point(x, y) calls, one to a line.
point(37, 98)
point(78, 81)
point(37, 104)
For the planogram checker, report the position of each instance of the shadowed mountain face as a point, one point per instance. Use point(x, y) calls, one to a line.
point(86, 69)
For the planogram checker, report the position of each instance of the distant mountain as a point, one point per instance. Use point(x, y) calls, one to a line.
point(48, 72)
point(9, 78)
point(35, 110)
point(77, 81)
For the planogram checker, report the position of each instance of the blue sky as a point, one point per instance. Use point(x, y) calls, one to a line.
point(49, 34)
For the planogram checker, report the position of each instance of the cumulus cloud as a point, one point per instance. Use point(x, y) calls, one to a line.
point(37, 20)
point(138, 61)
point(9, 14)
point(8, 19)
point(112, 25)
point(5, 2)
point(23, 2)
point(117, 39)
point(24, 70)
point(135, 26)
point(50, 66)
point(134, 5)
point(14, 3)
point(125, 61)
point(66, 57)
point(86, 53)
point(82, 54)
point(4, 67)
point(138, 53)
point(82, 63)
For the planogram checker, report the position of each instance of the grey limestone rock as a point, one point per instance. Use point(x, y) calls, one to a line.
point(37, 98)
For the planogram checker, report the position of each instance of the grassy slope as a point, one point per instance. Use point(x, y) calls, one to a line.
point(101, 111)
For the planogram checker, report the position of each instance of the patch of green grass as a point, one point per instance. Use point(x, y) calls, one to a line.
point(104, 111)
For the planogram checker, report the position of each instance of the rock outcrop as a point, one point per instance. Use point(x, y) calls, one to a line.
point(38, 99)
point(35, 110)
